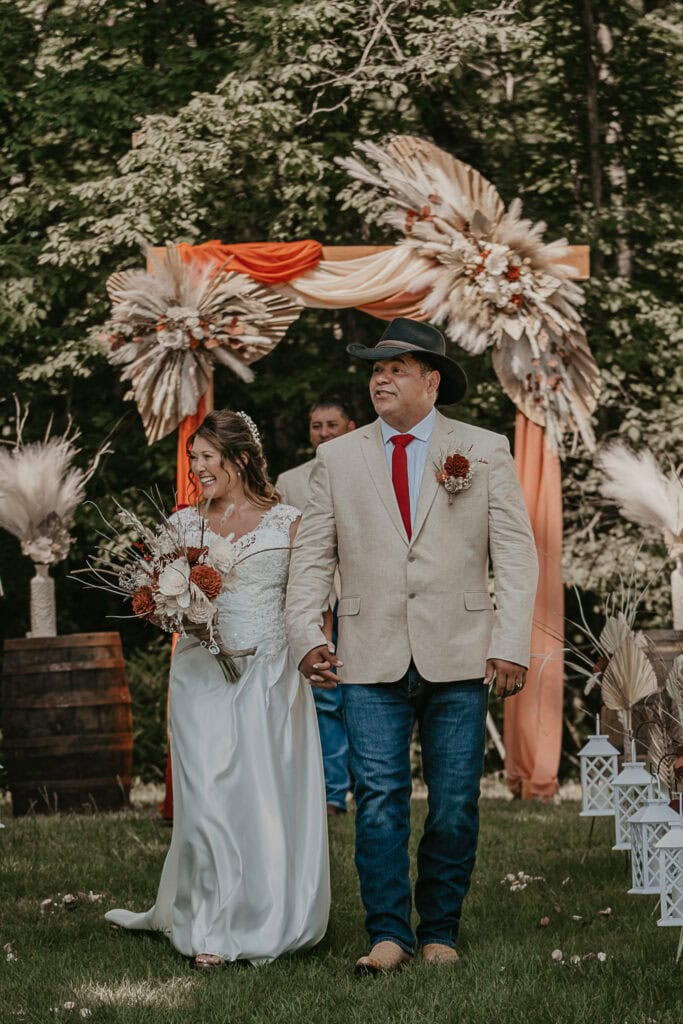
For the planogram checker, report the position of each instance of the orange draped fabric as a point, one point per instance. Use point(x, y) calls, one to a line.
point(268, 262)
point(533, 719)
point(185, 431)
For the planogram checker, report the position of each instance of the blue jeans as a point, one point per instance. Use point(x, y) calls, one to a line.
point(452, 723)
point(334, 743)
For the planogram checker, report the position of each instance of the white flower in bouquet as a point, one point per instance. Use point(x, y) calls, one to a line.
point(174, 582)
point(200, 610)
point(223, 554)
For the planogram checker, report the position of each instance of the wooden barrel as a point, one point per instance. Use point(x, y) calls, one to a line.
point(67, 727)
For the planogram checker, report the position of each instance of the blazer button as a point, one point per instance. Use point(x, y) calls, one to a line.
point(411, 595)
point(411, 558)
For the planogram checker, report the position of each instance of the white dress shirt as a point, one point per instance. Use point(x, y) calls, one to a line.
point(416, 451)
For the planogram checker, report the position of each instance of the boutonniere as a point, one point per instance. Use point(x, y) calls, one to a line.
point(455, 472)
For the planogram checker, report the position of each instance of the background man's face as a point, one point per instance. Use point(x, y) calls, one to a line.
point(327, 422)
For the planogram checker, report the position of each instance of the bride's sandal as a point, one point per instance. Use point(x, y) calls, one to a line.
point(207, 962)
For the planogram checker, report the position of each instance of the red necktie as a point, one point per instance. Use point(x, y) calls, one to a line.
point(399, 476)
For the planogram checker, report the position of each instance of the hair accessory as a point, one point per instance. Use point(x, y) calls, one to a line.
point(253, 429)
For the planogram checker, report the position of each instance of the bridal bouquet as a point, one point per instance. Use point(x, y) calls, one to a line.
point(169, 582)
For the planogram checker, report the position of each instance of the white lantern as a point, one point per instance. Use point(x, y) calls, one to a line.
point(632, 789)
point(648, 826)
point(599, 766)
point(670, 848)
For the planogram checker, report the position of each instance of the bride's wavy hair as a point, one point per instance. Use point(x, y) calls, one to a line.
point(230, 434)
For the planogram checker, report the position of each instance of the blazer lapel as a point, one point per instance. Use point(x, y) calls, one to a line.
point(441, 437)
point(376, 459)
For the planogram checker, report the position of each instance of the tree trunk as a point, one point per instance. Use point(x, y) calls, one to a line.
point(616, 172)
point(593, 124)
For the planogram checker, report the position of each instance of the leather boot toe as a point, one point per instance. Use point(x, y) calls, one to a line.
point(384, 958)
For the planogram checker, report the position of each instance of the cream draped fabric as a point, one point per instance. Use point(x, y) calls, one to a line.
point(358, 282)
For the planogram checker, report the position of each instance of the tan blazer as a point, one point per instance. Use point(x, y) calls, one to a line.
point(426, 598)
point(294, 485)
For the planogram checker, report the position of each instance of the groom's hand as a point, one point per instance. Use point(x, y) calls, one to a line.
point(318, 665)
point(509, 676)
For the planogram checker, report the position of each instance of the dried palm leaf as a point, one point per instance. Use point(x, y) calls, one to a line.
point(169, 327)
point(493, 281)
point(628, 678)
point(614, 632)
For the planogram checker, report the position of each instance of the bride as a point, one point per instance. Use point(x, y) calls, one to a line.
point(246, 876)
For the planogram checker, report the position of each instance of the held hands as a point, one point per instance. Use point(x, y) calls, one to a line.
point(317, 667)
point(510, 677)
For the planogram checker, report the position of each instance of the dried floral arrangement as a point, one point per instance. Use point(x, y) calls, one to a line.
point(169, 327)
point(492, 280)
point(40, 489)
point(646, 495)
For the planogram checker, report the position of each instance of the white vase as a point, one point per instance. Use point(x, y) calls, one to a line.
point(43, 612)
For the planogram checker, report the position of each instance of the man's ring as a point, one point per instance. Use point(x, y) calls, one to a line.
point(518, 686)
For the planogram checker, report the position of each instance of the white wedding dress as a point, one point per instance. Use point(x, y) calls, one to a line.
point(246, 876)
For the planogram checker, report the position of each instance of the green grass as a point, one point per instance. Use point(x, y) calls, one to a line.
point(506, 975)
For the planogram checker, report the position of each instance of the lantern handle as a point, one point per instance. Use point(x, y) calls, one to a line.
point(645, 721)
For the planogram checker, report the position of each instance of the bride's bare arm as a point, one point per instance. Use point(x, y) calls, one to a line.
point(327, 624)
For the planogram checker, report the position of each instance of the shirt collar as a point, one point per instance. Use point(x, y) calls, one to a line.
point(422, 431)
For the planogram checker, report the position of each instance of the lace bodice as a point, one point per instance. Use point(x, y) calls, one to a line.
point(251, 614)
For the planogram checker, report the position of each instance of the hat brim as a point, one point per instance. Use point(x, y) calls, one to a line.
point(453, 385)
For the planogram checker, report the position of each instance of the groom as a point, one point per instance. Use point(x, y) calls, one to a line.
point(411, 509)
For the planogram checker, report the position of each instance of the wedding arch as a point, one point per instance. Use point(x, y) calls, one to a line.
point(463, 261)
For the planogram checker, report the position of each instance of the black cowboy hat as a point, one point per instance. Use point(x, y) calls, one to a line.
point(406, 337)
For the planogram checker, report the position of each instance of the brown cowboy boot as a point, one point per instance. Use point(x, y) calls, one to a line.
point(383, 958)
point(439, 954)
